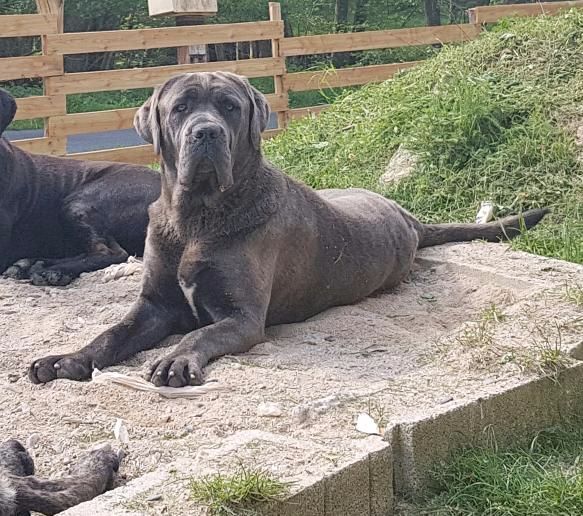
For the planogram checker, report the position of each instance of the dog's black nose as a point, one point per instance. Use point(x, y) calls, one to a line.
point(207, 132)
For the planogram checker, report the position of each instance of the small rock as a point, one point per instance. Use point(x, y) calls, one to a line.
point(13, 377)
point(154, 498)
point(32, 441)
point(120, 432)
point(330, 338)
point(367, 425)
point(400, 166)
point(25, 409)
point(428, 296)
point(269, 409)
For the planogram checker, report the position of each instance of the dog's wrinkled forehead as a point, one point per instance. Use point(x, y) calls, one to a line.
point(203, 86)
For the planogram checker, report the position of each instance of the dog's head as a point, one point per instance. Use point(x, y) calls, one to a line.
point(205, 126)
point(7, 110)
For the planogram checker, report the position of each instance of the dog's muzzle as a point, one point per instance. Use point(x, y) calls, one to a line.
point(207, 142)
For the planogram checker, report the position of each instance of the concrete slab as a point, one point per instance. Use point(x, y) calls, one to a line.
point(428, 361)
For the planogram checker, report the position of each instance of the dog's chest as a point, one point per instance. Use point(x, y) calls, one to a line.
point(195, 260)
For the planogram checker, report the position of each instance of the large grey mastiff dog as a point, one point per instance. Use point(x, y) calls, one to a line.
point(61, 217)
point(235, 245)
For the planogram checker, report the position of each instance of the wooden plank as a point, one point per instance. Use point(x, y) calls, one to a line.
point(19, 25)
point(316, 80)
point(38, 107)
point(294, 114)
point(107, 41)
point(141, 154)
point(271, 133)
point(352, 41)
point(94, 122)
point(115, 119)
point(12, 68)
point(85, 82)
point(39, 145)
point(492, 13)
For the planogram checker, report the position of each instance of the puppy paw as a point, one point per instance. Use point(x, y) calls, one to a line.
point(101, 461)
point(71, 367)
point(49, 277)
point(176, 371)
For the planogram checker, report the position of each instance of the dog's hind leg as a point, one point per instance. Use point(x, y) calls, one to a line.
point(90, 227)
point(61, 272)
point(93, 475)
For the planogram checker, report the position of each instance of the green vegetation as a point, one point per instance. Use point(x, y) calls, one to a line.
point(238, 494)
point(489, 119)
point(574, 294)
point(545, 478)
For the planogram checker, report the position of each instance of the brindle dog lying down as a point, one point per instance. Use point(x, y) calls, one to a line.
point(22, 493)
point(61, 217)
point(234, 245)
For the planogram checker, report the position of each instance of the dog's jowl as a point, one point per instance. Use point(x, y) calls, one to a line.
point(61, 217)
point(235, 245)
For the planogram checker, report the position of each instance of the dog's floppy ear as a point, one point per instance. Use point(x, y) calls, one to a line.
point(7, 109)
point(259, 115)
point(147, 121)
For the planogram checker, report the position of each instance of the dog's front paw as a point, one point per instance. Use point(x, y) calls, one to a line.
point(52, 277)
point(19, 270)
point(176, 371)
point(71, 367)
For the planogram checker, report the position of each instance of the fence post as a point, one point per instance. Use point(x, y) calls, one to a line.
point(279, 80)
point(57, 144)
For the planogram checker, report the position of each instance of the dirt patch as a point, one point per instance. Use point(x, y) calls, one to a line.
point(432, 341)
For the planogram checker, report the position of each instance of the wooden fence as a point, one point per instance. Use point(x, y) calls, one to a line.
point(49, 66)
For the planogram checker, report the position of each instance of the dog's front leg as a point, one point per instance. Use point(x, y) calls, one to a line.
point(142, 328)
point(184, 366)
point(231, 297)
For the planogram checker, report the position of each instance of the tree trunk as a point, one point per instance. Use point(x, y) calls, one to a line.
point(341, 15)
point(432, 14)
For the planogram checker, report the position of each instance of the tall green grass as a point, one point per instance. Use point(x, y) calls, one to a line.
point(543, 479)
point(489, 121)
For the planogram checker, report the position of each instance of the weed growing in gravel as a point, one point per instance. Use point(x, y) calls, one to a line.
point(493, 313)
point(237, 494)
point(574, 294)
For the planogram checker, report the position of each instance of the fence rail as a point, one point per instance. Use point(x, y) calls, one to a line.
point(59, 125)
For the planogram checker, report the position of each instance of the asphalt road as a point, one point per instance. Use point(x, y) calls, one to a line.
point(98, 141)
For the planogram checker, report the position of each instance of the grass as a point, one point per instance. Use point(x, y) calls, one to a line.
point(574, 294)
point(545, 478)
point(489, 121)
point(238, 494)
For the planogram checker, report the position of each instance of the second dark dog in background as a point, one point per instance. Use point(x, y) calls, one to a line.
point(61, 217)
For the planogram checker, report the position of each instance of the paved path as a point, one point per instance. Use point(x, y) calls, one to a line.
point(99, 141)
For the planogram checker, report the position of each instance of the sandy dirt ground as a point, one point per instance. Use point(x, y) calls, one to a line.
point(437, 339)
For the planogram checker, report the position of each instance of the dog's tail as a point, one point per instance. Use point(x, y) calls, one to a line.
point(503, 229)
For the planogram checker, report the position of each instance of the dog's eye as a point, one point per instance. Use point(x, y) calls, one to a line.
point(180, 108)
point(229, 106)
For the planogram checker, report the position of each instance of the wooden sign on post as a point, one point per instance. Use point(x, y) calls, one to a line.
point(182, 7)
point(187, 12)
